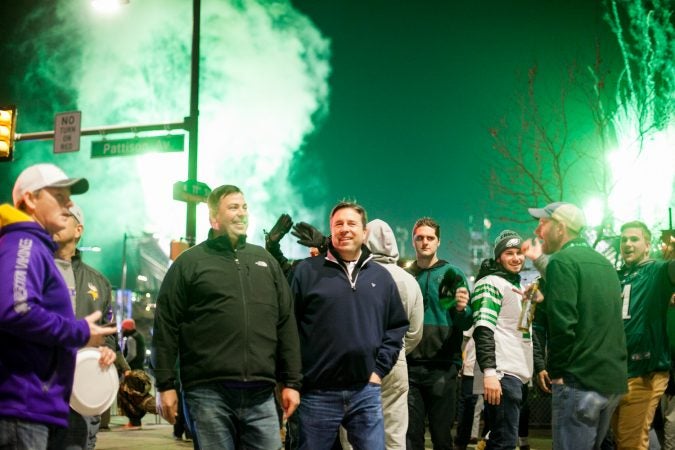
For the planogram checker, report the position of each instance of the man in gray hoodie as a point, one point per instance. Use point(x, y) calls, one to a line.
point(382, 244)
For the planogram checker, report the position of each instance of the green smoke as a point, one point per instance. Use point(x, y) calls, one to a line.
point(263, 88)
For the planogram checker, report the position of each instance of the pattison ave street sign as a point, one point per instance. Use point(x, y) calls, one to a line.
point(138, 145)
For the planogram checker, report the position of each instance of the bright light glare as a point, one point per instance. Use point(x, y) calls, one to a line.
point(108, 6)
point(643, 177)
point(593, 210)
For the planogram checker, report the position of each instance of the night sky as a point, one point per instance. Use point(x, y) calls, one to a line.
point(414, 88)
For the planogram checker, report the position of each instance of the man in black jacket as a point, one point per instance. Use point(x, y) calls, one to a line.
point(225, 311)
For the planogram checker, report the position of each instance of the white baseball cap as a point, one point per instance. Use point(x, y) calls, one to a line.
point(41, 176)
point(76, 211)
point(566, 213)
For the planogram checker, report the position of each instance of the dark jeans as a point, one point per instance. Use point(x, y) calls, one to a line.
point(524, 422)
point(229, 418)
point(81, 432)
point(504, 418)
point(293, 432)
point(359, 411)
point(465, 412)
point(432, 395)
point(181, 426)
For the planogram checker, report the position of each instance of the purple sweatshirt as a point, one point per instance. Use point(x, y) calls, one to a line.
point(39, 335)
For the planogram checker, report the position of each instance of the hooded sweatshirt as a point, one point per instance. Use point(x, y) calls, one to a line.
point(38, 330)
point(382, 244)
point(441, 344)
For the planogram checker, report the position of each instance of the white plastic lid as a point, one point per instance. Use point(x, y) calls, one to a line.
point(94, 388)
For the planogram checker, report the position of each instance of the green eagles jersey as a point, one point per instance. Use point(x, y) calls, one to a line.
point(646, 292)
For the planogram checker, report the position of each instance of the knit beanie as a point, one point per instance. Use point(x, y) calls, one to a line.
point(507, 239)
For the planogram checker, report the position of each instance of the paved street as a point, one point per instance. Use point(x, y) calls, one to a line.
point(152, 437)
point(155, 436)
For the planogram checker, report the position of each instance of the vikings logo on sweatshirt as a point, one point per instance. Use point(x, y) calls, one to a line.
point(93, 291)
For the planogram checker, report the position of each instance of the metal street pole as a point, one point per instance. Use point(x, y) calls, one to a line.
point(193, 121)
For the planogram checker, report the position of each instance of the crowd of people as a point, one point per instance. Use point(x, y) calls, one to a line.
point(344, 349)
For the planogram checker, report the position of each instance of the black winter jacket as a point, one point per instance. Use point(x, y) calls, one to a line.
point(227, 313)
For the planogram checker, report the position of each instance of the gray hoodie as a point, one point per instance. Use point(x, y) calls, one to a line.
point(382, 244)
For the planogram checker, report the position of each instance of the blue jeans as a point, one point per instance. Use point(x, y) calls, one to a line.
point(580, 417)
point(504, 418)
point(359, 411)
point(229, 418)
point(18, 434)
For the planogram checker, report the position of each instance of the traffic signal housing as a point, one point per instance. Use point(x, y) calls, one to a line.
point(7, 128)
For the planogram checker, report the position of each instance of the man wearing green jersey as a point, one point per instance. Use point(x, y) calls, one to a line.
point(647, 286)
point(503, 342)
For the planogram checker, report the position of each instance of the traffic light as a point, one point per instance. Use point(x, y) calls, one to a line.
point(7, 127)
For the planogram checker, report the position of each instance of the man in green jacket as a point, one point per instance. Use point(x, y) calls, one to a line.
point(434, 364)
point(647, 288)
point(582, 314)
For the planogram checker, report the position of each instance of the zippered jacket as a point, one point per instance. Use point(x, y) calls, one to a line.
point(441, 344)
point(349, 327)
point(227, 313)
point(93, 291)
point(38, 330)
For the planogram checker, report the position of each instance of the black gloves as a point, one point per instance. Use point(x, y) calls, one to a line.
point(309, 236)
point(279, 230)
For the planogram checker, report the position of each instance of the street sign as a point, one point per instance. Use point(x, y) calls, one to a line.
point(138, 145)
point(67, 131)
point(191, 191)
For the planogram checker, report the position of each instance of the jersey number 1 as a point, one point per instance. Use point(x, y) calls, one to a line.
point(625, 295)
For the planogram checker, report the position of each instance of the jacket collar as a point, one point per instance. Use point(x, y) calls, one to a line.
point(576, 242)
point(334, 256)
point(416, 270)
point(224, 243)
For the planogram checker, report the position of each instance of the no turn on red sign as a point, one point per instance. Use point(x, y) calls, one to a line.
point(67, 131)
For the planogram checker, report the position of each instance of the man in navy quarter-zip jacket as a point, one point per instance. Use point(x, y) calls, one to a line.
point(351, 322)
point(225, 312)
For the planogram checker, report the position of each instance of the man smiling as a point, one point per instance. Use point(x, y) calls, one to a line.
point(647, 287)
point(503, 351)
point(224, 313)
point(351, 323)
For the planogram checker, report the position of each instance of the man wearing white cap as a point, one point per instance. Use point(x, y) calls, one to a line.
point(38, 329)
point(582, 314)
